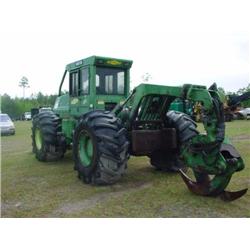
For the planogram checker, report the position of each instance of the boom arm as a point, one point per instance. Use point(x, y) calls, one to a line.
point(213, 123)
point(209, 154)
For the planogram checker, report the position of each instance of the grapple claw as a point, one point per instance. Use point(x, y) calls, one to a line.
point(204, 186)
point(201, 187)
point(231, 196)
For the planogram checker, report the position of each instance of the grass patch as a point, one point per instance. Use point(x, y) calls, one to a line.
point(34, 189)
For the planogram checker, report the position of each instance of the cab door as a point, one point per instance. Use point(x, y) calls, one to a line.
point(79, 91)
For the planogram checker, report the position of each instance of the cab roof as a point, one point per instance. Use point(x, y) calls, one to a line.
point(100, 61)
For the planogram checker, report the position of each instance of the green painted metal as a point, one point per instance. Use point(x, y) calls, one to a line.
point(38, 139)
point(68, 125)
point(188, 92)
point(61, 106)
point(210, 161)
point(183, 106)
point(71, 106)
point(99, 60)
point(85, 149)
point(94, 84)
point(137, 98)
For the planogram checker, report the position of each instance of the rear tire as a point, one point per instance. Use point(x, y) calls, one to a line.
point(47, 143)
point(184, 125)
point(185, 129)
point(100, 148)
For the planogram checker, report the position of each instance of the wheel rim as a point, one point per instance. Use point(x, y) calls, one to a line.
point(85, 149)
point(38, 138)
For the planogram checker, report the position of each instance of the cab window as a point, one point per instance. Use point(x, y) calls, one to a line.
point(74, 84)
point(110, 81)
point(85, 81)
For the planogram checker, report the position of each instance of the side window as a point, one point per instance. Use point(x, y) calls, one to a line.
point(109, 84)
point(85, 82)
point(97, 83)
point(74, 84)
point(120, 82)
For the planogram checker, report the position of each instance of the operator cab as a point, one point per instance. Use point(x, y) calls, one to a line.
point(94, 83)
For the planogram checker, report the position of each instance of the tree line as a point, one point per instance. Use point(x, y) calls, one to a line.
point(15, 107)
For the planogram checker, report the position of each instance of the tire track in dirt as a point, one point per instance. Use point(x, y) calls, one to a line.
point(70, 208)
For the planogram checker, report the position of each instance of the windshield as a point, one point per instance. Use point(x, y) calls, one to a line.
point(110, 81)
point(4, 118)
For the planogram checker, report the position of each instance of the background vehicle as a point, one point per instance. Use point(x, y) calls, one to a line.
point(35, 111)
point(232, 107)
point(243, 114)
point(104, 128)
point(27, 116)
point(6, 125)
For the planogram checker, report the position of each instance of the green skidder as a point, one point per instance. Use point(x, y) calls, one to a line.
point(104, 125)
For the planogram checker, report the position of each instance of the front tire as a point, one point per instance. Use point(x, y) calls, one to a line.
point(100, 148)
point(47, 143)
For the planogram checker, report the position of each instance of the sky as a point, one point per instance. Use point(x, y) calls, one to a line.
point(39, 43)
